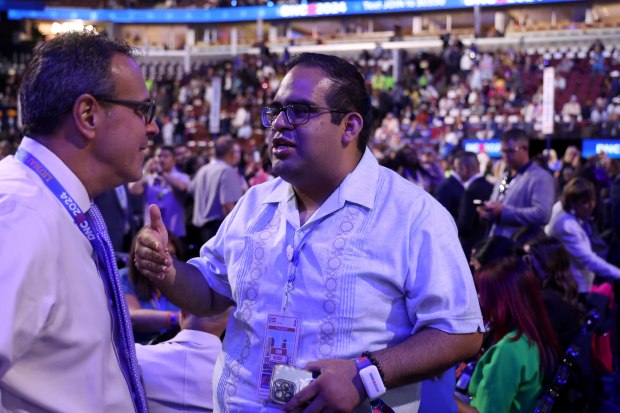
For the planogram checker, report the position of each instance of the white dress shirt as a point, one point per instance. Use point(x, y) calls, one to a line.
point(178, 373)
point(56, 352)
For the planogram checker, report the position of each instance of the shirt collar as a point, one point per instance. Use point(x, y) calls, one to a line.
point(456, 176)
point(359, 187)
point(61, 172)
point(524, 168)
point(472, 179)
point(196, 337)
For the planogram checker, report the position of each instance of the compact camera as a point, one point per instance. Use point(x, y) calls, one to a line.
point(286, 381)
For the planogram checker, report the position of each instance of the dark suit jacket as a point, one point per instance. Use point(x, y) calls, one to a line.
point(449, 195)
point(471, 228)
point(116, 219)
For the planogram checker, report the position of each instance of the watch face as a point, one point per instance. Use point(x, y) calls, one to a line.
point(372, 381)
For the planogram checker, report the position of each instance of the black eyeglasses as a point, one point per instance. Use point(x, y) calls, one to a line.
point(143, 108)
point(296, 113)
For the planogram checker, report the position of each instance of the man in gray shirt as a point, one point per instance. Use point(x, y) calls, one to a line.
point(216, 188)
point(523, 198)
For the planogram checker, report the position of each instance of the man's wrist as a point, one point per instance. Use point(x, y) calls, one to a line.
point(173, 318)
point(370, 376)
point(371, 357)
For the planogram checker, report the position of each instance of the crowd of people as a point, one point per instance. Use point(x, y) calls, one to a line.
point(301, 214)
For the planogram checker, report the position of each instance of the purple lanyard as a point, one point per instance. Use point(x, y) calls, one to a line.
point(59, 191)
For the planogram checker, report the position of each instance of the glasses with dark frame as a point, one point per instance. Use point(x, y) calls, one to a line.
point(143, 108)
point(296, 113)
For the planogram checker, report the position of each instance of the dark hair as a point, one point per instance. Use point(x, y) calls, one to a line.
point(61, 70)
point(348, 92)
point(551, 263)
point(469, 159)
point(494, 248)
point(143, 286)
point(518, 135)
point(168, 148)
point(577, 190)
point(223, 146)
point(510, 298)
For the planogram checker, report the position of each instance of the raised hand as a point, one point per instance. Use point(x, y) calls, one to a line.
point(151, 250)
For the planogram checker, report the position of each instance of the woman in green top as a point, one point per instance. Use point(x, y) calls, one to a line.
point(510, 375)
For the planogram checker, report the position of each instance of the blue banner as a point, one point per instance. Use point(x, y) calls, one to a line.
point(253, 13)
point(591, 147)
point(492, 147)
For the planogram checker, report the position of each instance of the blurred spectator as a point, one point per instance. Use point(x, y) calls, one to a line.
point(571, 162)
point(242, 122)
point(262, 167)
point(167, 131)
point(178, 373)
point(566, 65)
point(560, 81)
point(571, 224)
point(407, 164)
point(449, 192)
point(117, 211)
point(491, 249)
point(183, 159)
point(151, 313)
point(552, 162)
point(216, 188)
point(477, 190)
point(597, 59)
point(523, 198)
point(571, 108)
point(598, 113)
point(523, 340)
point(166, 187)
point(613, 169)
point(551, 264)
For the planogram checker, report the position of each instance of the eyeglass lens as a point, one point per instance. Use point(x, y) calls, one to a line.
point(296, 114)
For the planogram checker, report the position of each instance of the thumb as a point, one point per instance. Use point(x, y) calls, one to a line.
point(157, 224)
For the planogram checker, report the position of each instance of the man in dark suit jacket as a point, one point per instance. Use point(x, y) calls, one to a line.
point(450, 191)
point(477, 190)
point(115, 207)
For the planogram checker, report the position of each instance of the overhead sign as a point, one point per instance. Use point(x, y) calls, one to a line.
point(492, 147)
point(252, 13)
point(611, 147)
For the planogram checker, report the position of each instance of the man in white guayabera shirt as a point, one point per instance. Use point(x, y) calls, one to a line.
point(339, 265)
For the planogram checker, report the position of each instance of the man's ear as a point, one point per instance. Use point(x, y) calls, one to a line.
point(85, 113)
point(353, 124)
